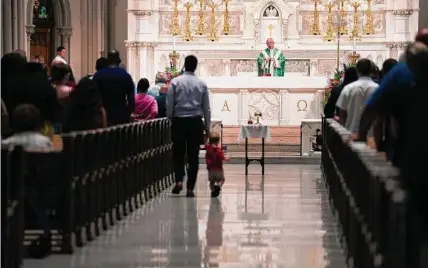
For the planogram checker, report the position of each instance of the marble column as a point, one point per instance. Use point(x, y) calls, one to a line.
point(7, 25)
point(130, 58)
point(21, 28)
point(65, 34)
point(243, 107)
point(402, 24)
point(15, 30)
point(29, 30)
point(283, 108)
point(313, 67)
point(226, 64)
point(201, 67)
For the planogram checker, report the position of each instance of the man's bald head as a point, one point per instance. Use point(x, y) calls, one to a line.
point(422, 36)
point(270, 43)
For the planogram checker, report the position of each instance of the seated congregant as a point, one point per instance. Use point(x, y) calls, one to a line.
point(160, 81)
point(26, 125)
point(146, 106)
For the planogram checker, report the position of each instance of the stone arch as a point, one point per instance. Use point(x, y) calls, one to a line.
point(62, 24)
point(62, 12)
point(284, 9)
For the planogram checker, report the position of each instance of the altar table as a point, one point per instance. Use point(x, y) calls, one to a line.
point(281, 100)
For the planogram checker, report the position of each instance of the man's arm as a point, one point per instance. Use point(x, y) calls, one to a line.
point(169, 105)
point(342, 104)
point(206, 109)
point(343, 115)
point(130, 96)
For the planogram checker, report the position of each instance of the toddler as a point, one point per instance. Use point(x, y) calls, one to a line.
point(214, 158)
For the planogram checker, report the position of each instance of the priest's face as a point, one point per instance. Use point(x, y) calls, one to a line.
point(270, 43)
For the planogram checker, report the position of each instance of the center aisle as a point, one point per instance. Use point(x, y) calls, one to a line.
point(282, 220)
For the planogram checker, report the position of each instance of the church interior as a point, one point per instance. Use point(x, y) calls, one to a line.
point(297, 215)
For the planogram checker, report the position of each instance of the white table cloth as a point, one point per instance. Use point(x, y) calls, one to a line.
point(254, 131)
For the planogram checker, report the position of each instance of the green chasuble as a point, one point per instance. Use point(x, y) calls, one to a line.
point(276, 67)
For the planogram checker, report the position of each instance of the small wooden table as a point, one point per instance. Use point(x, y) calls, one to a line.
point(254, 131)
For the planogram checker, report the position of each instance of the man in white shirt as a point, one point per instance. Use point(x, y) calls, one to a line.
point(353, 98)
point(60, 56)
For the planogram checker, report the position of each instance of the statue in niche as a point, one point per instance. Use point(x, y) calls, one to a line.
point(271, 12)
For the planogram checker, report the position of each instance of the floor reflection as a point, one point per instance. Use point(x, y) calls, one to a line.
point(280, 220)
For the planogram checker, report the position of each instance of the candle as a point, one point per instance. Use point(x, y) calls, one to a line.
point(355, 44)
point(173, 43)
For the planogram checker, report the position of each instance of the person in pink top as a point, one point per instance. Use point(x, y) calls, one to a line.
point(146, 106)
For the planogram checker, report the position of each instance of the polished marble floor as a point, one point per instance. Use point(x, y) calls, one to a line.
point(280, 220)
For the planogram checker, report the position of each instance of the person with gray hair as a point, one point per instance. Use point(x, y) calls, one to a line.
point(160, 81)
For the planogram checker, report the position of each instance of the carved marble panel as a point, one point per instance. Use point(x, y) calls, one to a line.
point(379, 23)
point(266, 101)
point(214, 68)
point(326, 67)
point(237, 66)
point(250, 65)
point(298, 66)
point(234, 21)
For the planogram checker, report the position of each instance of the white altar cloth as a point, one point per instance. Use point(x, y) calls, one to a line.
point(254, 131)
point(294, 82)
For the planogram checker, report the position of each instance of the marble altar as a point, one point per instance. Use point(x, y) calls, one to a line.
point(283, 101)
point(229, 63)
point(287, 22)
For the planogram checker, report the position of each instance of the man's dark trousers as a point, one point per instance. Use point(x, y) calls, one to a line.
point(186, 136)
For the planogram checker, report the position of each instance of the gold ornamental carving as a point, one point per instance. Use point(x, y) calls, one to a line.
point(187, 31)
point(226, 26)
point(368, 27)
point(141, 13)
point(200, 28)
point(315, 29)
point(175, 26)
point(213, 28)
point(329, 35)
point(225, 107)
point(302, 106)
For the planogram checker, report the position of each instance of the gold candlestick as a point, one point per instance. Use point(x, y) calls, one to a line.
point(226, 27)
point(175, 27)
point(368, 28)
point(174, 57)
point(355, 31)
point(329, 35)
point(187, 32)
point(200, 29)
point(316, 25)
point(342, 15)
point(213, 32)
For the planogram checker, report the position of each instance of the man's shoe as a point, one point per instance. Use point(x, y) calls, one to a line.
point(190, 194)
point(177, 189)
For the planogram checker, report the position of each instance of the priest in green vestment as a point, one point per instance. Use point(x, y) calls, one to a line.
point(271, 60)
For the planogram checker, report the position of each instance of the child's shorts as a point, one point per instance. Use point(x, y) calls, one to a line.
point(216, 176)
